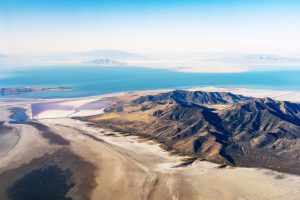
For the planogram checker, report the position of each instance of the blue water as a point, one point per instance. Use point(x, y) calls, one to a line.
point(87, 81)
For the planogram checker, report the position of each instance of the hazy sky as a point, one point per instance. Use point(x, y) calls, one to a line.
point(156, 26)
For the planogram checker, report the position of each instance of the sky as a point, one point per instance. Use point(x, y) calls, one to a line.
point(151, 26)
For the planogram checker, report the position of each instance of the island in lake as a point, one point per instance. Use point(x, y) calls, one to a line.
point(181, 144)
point(19, 90)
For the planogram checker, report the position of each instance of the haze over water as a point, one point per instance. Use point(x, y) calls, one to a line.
point(104, 80)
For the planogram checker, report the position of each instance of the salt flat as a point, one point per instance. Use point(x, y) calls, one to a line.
point(129, 167)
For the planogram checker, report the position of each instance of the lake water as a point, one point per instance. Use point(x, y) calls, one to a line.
point(18, 115)
point(88, 81)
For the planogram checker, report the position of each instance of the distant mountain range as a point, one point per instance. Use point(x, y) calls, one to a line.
point(112, 54)
point(217, 126)
point(99, 57)
point(251, 58)
point(105, 62)
point(188, 62)
point(20, 90)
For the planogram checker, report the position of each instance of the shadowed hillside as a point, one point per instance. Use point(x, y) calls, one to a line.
point(218, 126)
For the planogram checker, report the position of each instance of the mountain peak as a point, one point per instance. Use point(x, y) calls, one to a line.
point(218, 126)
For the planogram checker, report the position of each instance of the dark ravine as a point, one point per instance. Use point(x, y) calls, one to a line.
point(218, 126)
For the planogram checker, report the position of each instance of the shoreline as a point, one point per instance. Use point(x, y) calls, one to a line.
point(152, 169)
point(277, 94)
point(291, 96)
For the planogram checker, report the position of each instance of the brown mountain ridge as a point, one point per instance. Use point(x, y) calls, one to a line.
point(217, 126)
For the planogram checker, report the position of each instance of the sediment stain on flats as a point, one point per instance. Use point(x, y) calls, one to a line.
point(46, 183)
point(62, 174)
point(48, 134)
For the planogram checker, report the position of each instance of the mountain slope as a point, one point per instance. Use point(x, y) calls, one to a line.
point(218, 126)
